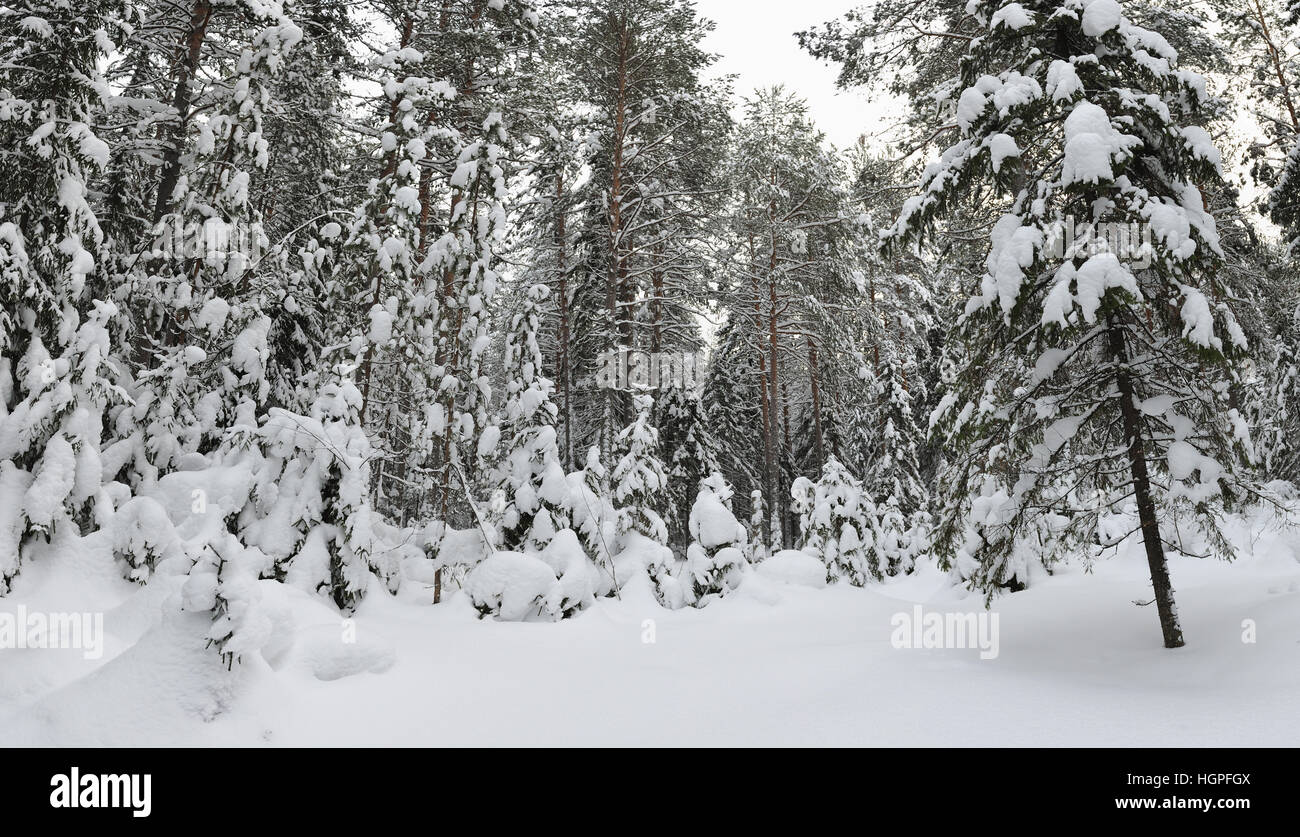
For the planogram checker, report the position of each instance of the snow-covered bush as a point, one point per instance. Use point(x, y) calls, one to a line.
point(515, 587)
point(311, 506)
point(224, 581)
point(638, 481)
point(143, 536)
point(837, 524)
point(594, 517)
point(715, 559)
point(899, 540)
point(534, 495)
point(579, 579)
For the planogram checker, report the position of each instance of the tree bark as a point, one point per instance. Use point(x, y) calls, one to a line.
point(1137, 459)
point(565, 375)
point(192, 50)
point(816, 404)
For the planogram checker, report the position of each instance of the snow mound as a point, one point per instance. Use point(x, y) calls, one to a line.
point(335, 652)
point(790, 566)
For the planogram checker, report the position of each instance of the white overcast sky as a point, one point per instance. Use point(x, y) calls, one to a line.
point(755, 39)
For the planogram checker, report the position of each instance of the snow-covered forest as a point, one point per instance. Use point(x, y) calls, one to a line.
point(336, 337)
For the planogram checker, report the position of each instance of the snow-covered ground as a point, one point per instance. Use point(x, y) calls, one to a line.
point(776, 663)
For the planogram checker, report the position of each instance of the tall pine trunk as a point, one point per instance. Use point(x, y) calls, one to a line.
point(187, 66)
point(562, 328)
point(818, 437)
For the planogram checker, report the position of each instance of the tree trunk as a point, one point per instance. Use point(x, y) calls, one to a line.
point(616, 267)
point(765, 411)
point(1137, 459)
point(787, 513)
point(816, 404)
point(774, 395)
point(1276, 58)
point(565, 375)
point(188, 60)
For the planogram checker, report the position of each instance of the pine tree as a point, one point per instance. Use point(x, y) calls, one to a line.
point(656, 137)
point(794, 241)
point(1091, 378)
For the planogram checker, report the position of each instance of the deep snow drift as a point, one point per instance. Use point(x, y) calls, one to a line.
point(780, 661)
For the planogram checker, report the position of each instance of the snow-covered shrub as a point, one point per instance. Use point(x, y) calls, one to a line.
point(795, 567)
point(579, 579)
point(594, 517)
point(224, 581)
point(759, 527)
point(716, 557)
point(837, 524)
point(143, 536)
point(899, 540)
point(534, 495)
point(515, 587)
point(311, 509)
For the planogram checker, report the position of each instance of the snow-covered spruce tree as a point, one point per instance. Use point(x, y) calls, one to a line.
point(465, 261)
point(534, 502)
point(688, 448)
point(1094, 380)
point(716, 557)
point(311, 507)
point(207, 380)
point(638, 482)
point(731, 399)
point(57, 375)
point(462, 197)
point(594, 516)
point(1281, 438)
point(836, 524)
point(890, 443)
point(638, 477)
point(382, 280)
